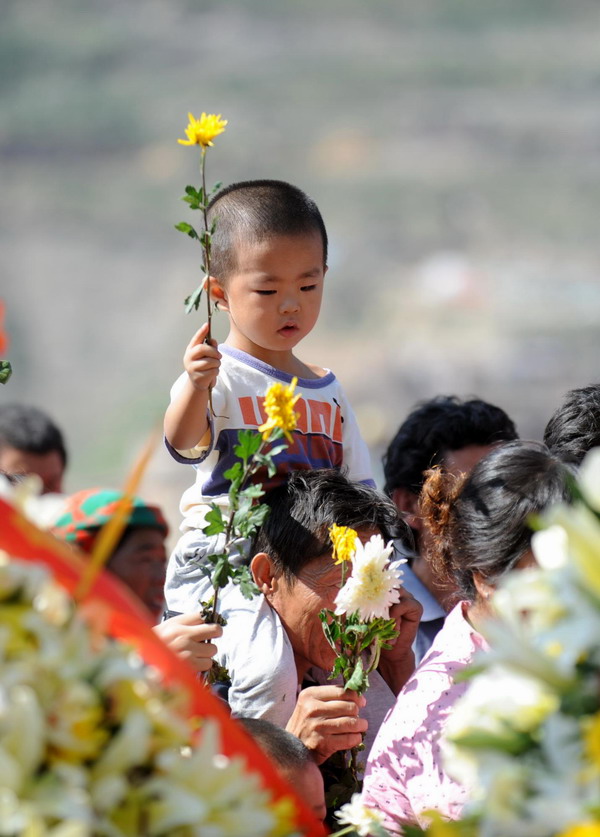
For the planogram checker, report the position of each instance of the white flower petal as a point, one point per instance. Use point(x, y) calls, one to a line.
point(551, 547)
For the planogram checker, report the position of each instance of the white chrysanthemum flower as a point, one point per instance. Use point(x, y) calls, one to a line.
point(501, 703)
point(588, 478)
point(551, 547)
point(26, 496)
point(89, 736)
point(373, 586)
point(365, 821)
point(582, 528)
point(207, 792)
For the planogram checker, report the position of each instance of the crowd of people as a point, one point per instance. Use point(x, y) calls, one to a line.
point(460, 487)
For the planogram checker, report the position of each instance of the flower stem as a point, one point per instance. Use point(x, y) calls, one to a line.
point(206, 242)
point(250, 468)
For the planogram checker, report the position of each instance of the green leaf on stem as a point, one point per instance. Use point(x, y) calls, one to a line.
point(248, 522)
point(197, 194)
point(222, 571)
point(248, 443)
point(359, 681)
point(214, 521)
point(243, 578)
point(276, 451)
point(254, 491)
point(234, 475)
point(331, 628)
point(192, 301)
point(339, 668)
point(5, 371)
point(266, 460)
point(186, 228)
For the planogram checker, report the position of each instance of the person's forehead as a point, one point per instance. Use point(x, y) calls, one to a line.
point(15, 461)
point(325, 567)
point(257, 254)
point(463, 460)
point(143, 536)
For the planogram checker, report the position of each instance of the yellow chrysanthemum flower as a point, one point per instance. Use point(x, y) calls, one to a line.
point(582, 829)
point(343, 539)
point(591, 739)
point(203, 131)
point(279, 407)
point(286, 815)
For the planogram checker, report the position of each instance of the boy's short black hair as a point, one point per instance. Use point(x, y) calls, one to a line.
point(434, 428)
point(302, 511)
point(30, 430)
point(254, 210)
point(281, 746)
point(574, 429)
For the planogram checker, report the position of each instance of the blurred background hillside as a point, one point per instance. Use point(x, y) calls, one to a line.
point(453, 147)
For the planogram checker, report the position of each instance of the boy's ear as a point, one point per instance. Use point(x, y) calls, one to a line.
point(264, 574)
point(217, 293)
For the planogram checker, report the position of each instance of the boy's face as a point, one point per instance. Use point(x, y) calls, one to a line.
point(308, 784)
point(273, 296)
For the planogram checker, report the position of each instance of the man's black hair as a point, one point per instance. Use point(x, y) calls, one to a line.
point(302, 511)
point(255, 210)
point(434, 428)
point(30, 430)
point(281, 746)
point(574, 429)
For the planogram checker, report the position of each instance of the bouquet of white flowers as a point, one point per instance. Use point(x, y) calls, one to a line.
point(525, 738)
point(91, 743)
point(526, 735)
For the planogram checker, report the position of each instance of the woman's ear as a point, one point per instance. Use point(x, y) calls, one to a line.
point(483, 587)
point(264, 574)
point(218, 294)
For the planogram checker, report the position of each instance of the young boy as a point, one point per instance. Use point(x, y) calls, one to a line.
point(293, 760)
point(268, 264)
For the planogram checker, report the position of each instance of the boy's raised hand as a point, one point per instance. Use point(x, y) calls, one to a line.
point(202, 360)
point(189, 637)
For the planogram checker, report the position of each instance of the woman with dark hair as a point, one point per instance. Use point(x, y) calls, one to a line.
point(480, 527)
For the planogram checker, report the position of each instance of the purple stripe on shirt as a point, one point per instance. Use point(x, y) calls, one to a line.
point(266, 369)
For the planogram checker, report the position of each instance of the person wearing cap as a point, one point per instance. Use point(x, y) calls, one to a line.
point(139, 561)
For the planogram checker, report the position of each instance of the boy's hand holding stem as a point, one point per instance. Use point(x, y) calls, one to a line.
point(186, 419)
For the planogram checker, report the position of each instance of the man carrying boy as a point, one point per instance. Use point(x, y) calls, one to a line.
point(274, 646)
point(269, 259)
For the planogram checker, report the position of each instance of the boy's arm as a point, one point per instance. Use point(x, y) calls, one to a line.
point(186, 420)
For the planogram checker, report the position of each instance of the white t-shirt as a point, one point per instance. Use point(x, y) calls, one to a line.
point(327, 435)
